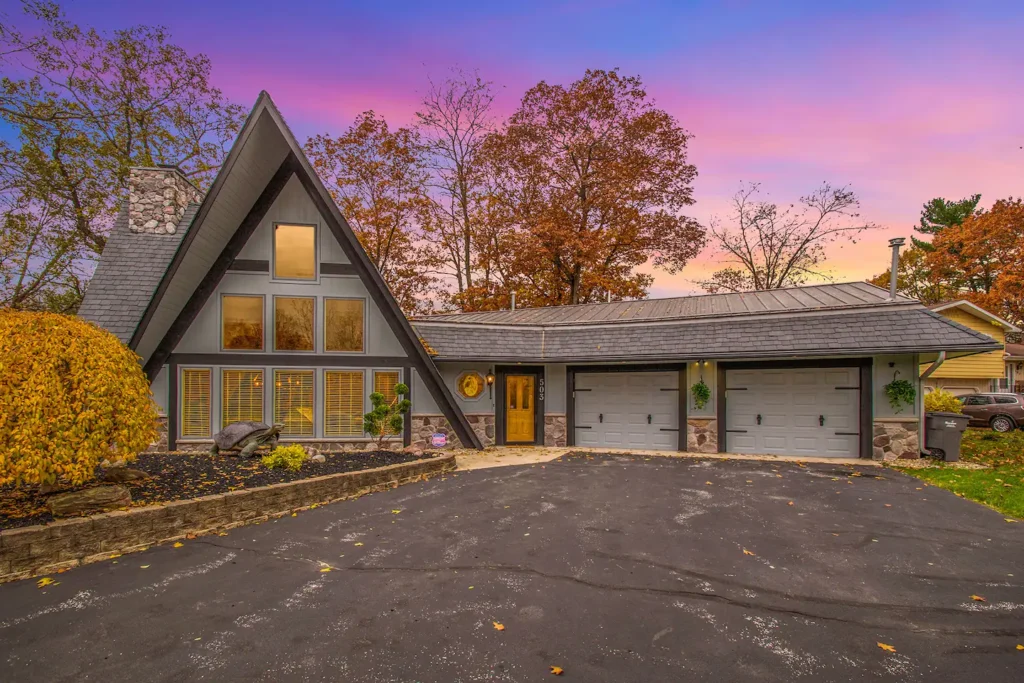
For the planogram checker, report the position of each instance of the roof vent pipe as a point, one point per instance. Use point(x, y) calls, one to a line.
point(513, 299)
point(895, 243)
point(608, 296)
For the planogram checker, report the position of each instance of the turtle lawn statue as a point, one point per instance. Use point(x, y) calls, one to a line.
point(245, 437)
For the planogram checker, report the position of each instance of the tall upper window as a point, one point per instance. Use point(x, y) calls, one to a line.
point(295, 252)
point(343, 323)
point(293, 323)
point(293, 401)
point(241, 396)
point(242, 322)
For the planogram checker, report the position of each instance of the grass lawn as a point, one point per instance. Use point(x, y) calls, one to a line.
point(1001, 486)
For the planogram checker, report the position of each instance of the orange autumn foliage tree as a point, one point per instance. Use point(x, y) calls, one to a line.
point(586, 183)
point(71, 395)
point(982, 259)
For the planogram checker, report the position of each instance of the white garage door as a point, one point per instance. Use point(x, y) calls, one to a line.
point(627, 410)
point(813, 412)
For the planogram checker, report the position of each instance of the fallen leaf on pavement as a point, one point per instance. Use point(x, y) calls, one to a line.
point(178, 544)
point(1019, 646)
point(978, 598)
point(887, 505)
point(789, 503)
point(46, 581)
point(144, 566)
point(498, 626)
point(708, 483)
point(396, 512)
point(557, 670)
point(324, 570)
point(747, 552)
point(1011, 521)
point(360, 543)
point(887, 648)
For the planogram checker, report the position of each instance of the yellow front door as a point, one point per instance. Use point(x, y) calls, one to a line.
point(519, 409)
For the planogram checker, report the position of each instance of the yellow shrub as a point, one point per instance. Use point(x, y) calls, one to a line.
point(71, 395)
point(290, 457)
point(941, 401)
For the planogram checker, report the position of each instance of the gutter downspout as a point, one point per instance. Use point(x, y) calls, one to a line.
point(925, 375)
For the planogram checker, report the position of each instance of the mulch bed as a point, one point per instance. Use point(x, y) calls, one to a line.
point(180, 476)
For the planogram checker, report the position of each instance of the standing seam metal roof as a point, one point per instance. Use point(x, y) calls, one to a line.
point(811, 298)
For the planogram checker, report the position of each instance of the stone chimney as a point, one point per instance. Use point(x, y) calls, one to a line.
point(157, 198)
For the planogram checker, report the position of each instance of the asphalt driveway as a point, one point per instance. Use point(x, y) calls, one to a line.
point(612, 568)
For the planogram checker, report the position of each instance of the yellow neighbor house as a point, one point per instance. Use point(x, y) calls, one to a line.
point(980, 373)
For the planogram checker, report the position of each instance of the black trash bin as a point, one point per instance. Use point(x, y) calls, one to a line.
point(942, 434)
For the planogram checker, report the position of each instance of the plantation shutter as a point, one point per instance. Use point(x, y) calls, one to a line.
point(195, 402)
point(343, 403)
point(242, 396)
point(384, 383)
point(293, 401)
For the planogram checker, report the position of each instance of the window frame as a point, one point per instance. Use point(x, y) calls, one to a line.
point(221, 393)
point(316, 253)
point(273, 400)
point(220, 321)
point(273, 333)
point(181, 402)
point(366, 326)
point(361, 436)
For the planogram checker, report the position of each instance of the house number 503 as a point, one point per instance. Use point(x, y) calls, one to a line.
point(540, 388)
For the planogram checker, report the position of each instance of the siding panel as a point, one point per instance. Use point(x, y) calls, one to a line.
point(981, 366)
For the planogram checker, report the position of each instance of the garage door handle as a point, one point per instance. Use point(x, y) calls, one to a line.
point(648, 419)
point(759, 418)
point(600, 417)
point(821, 420)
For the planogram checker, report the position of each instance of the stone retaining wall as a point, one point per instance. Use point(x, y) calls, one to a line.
point(68, 543)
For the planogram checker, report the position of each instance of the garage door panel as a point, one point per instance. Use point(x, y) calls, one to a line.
point(626, 399)
point(792, 403)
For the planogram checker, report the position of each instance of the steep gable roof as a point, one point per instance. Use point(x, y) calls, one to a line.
point(264, 156)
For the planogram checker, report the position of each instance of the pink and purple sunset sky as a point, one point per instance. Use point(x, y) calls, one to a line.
point(904, 101)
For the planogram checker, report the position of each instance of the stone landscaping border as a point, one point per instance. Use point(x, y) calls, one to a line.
point(44, 549)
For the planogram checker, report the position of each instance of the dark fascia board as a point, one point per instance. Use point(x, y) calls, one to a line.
point(200, 217)
point(375, 284)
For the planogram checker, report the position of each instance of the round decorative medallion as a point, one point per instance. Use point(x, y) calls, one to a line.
point(470, 385)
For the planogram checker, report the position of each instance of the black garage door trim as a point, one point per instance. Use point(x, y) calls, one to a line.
point(570, 393)
point(864, 365)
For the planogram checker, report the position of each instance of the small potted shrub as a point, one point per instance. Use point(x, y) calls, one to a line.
point(701, 394)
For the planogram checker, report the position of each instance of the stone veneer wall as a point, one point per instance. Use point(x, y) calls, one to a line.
point(157, 198)
point(48, 548)
point(702, 435)
point(424, 426)
point(896, 439)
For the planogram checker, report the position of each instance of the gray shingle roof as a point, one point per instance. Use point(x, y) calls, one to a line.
point(128, 274)
point(811, 298)
point(906, 328)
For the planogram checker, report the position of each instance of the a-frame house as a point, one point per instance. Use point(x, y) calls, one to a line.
point(257, 302)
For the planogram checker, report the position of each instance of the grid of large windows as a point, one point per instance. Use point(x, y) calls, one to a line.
point(343, 403)
point(293, 402)
point(195, 402)
point(241, 396)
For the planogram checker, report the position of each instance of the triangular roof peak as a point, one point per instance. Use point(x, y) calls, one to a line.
point(262, 159)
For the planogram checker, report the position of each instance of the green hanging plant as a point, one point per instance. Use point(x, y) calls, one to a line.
point(701, 394)
point(900, 392)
